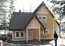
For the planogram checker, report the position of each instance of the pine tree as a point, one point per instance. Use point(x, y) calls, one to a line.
point(59, 11)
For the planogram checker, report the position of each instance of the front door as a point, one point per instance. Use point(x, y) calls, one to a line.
point(34, 34)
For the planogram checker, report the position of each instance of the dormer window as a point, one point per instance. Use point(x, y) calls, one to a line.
point(43, 19)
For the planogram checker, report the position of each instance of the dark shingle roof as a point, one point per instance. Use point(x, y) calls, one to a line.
point(19, 20)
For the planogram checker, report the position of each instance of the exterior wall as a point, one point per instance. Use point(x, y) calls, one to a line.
point(55, 24)
point(33, 25)
point(19, 38)
point(50, 23)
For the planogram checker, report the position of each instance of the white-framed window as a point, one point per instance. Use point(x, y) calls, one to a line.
point(43, 19)
point(17, 34)
point(46, 32)
point(22, 34)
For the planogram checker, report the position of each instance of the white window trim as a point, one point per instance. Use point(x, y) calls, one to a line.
point(46, 33)
point(23, 34)
point(44, 19)
point(15, 34)
point(19, 34)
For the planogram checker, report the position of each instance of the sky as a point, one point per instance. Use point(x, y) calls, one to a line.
point(28, 4)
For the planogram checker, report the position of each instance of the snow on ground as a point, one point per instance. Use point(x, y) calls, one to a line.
point(60, 41)
point(62, 34)
point(43, 45)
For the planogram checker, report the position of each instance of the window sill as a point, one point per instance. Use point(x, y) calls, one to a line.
point(17, 37)
point(22, 37)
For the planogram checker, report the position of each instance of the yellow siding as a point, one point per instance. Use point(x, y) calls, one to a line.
point(49, 25)
point(55, 23)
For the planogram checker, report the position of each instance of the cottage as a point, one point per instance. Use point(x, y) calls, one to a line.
point(37, 25)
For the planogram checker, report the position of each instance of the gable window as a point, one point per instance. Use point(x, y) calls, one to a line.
point(40, 17)
point(17, 34)
point(46, 32)
point(43, 19)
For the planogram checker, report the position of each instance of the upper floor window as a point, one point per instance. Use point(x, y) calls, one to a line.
point(43, 19)
point(40, 17)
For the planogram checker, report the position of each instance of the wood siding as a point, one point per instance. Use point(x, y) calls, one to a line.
point(50, 22)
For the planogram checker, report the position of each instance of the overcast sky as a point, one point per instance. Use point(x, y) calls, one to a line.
point(27, 4)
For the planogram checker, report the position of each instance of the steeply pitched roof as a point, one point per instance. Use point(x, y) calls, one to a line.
point(19, 20)
point(38, 7)
point(47, 9)
point(40, 23)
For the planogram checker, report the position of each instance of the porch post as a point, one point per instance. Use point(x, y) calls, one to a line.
point(39, 33)
point(26, 35)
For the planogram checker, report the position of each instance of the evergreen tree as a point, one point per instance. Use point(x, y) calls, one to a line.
point(6, 9)
point(58, 11)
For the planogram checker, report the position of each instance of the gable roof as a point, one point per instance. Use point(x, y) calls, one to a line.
point(47, 9)
point(40, 22)
point(20, 20)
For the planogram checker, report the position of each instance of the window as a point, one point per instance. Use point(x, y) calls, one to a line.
point(46, 32)
point(17, 34)
point(21, 34)
point(40, 17)
point(43, 19)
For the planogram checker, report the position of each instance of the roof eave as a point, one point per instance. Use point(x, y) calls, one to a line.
point(40, 23)
point(47, 9)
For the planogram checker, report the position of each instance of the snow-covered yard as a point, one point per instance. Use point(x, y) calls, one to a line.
point(43, 45)
point(60, 41)
point(62, 34)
